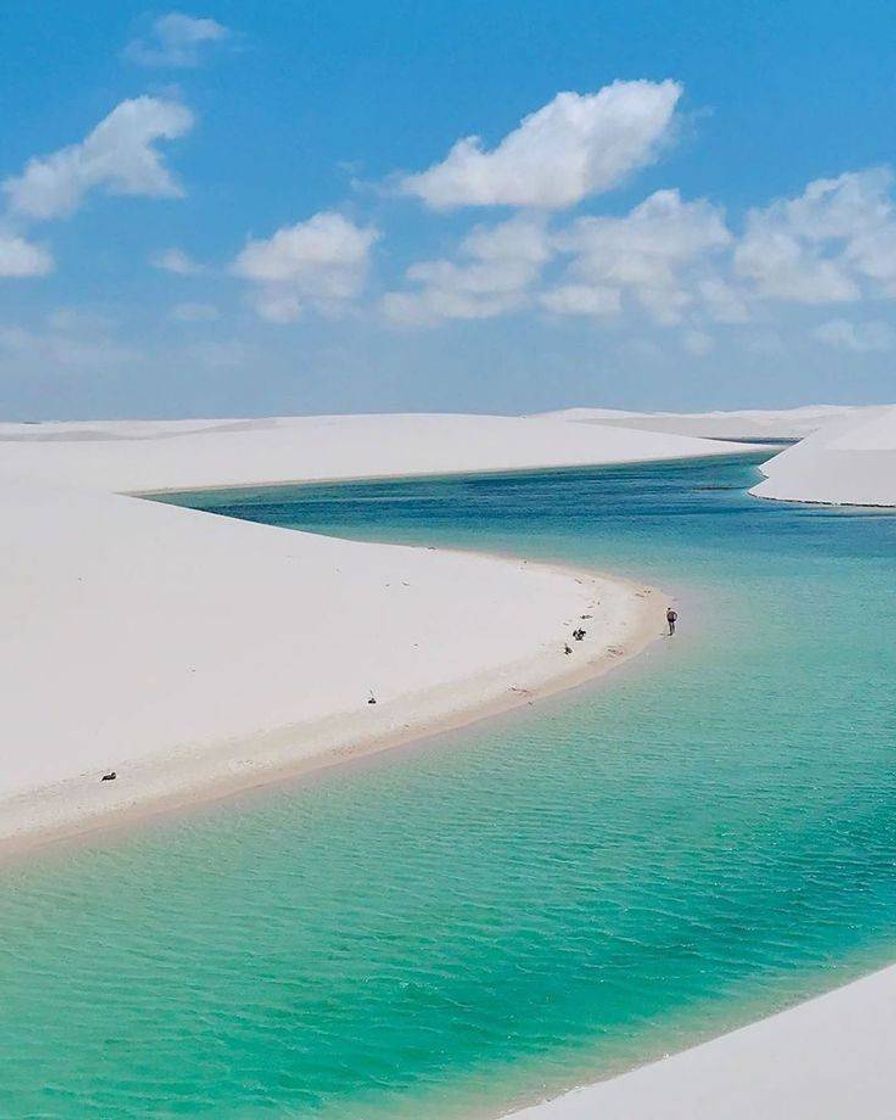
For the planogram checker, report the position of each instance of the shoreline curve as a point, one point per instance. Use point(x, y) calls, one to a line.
point(815, 1058)
point(190, 776)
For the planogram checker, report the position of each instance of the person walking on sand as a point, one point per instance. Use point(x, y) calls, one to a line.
point(671, 618)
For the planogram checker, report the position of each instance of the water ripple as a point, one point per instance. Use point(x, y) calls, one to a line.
point(702, 838)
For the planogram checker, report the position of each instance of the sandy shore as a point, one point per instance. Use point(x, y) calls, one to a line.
point(198, 773)
point(830, 1057)
point(195, 654)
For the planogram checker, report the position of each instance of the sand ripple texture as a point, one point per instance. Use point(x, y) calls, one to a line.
point(453, 929)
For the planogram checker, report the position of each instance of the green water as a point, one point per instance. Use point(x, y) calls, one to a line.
point(702, 837)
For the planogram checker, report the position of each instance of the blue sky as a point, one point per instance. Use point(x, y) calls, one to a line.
point(246, 209)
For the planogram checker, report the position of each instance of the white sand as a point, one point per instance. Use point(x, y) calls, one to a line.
point(849, 461)
point(130, 456)
point(743, 424)
point(186, 650)
point(195, 654)
point(828, 1059)
point(846, 455)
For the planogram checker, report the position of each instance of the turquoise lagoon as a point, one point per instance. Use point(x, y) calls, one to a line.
point(442, 931)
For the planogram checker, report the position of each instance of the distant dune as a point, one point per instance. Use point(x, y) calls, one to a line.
point(849, 461)
point(746, 424)
point(843, 454)
point(145, 456)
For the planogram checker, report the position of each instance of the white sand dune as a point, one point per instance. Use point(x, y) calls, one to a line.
point(830, 1058)
point(192, 653)
point(846, 455)
point(186, 650)
point(153, 456)
point(744, 424)
point(849, 461)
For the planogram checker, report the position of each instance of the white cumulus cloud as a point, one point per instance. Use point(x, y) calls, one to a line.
point(654, 255)
point(19, 257)
point(118, 156)
point(495, 269)
point(321, 262)
point(822, 246)
point(176, 41)
point(575, 146)
point(724, 301)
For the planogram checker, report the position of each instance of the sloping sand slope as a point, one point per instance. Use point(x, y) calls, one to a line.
point(831, 1057)
point(847, 462)
point(186, 650)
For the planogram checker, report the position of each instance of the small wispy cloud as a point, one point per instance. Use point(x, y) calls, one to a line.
point(67, 339)
point(697, 343)
point(19, 258)
point(861, 338)
point(176, 41)
point(176, 261)
point(195, 313)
